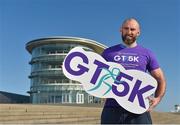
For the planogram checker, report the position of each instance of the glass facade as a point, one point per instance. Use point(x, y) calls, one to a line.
point(48, 83)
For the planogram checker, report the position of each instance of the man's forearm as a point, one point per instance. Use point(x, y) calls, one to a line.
point(161, 88)
point(160, 91)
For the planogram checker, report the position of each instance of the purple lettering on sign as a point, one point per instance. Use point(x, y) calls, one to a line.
point(82, 69)
point(100, 65)
point(125, 84)
point(139, 93)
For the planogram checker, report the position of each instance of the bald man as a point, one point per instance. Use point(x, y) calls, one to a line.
point(141, 59)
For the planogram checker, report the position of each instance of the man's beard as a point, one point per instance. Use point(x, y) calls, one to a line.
point(129, 40)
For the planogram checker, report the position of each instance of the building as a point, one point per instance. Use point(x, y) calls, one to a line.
point(177, 108)
point(6, 97)
point(48, 83)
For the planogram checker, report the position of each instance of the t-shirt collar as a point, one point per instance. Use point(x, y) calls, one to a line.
point(130, 46)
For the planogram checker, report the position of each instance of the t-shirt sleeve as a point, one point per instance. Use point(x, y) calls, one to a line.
point(104, 54)
point(153, 63)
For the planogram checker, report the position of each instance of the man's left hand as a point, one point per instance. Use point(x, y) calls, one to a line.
point(153, 103)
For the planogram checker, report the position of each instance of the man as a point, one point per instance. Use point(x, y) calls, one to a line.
point(132, 56)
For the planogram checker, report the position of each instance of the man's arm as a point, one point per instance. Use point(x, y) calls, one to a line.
point(161, 88)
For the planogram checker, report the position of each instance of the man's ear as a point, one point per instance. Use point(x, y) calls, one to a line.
point(138, 33)
point(120, 30)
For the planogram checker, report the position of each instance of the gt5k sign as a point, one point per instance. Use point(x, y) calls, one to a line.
point(130, 88)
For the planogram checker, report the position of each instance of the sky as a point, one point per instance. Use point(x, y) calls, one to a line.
point(24, 20)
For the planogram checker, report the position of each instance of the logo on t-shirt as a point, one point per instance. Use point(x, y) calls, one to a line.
point(126, 58)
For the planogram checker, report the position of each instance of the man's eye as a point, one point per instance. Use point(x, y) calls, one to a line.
point(133, 29)
point(126, 28)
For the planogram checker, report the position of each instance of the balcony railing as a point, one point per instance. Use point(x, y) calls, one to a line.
point(49, 88)
point(48, 58)
point(47, 73)
point(57, 83)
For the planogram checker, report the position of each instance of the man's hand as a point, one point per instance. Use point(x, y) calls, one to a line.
point(153, 103)
point(160, 91)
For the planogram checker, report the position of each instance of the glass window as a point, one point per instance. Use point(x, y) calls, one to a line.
point(65, 98)
point(79, 98)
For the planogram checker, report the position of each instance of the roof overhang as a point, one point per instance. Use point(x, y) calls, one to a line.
point(97, 47)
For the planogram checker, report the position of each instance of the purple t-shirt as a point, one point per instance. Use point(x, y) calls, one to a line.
point(138, 58)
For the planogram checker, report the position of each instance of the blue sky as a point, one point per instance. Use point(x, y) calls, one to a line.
point(24, 20)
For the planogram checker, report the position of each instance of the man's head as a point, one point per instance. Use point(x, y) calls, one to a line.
point(130, 30)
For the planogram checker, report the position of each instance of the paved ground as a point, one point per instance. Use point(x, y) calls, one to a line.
point(80, 114)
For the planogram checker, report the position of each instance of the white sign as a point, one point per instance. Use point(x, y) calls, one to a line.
point(130, 88)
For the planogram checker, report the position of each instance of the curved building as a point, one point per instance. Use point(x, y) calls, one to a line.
point(48, 84)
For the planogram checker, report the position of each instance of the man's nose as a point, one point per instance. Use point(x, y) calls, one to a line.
point(129, 32)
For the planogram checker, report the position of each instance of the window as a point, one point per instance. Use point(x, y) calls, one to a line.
point(90, 99)
point(80, 98)
point(66, 98)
